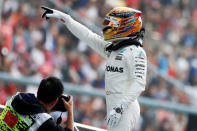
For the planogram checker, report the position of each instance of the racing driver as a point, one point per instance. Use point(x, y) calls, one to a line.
point(126, 67)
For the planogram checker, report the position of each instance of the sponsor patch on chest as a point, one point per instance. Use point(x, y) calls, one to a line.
point(114, 69)
point(118, 57)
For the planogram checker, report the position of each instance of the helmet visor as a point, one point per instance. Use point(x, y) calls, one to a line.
point(107, 23)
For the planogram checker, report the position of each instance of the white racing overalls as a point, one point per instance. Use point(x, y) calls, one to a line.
point(125, 74)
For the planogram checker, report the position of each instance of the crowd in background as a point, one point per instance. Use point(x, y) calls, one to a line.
point(33, 47)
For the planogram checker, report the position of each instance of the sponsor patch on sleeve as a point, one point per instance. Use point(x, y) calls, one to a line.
point(140, 66)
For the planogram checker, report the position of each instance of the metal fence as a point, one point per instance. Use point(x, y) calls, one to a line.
point(90, 91)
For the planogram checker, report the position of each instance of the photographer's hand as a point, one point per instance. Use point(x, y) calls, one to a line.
point(69, 106)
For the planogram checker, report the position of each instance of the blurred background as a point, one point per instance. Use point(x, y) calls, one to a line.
point(33, 48)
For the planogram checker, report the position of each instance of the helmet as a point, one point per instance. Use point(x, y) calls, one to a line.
point(122, 23)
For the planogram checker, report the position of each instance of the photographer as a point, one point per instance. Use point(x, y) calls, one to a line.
point(26, 112)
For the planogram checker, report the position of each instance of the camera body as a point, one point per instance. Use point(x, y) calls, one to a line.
point(60, 105)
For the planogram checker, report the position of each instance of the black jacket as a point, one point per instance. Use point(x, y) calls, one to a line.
point(27, 104)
